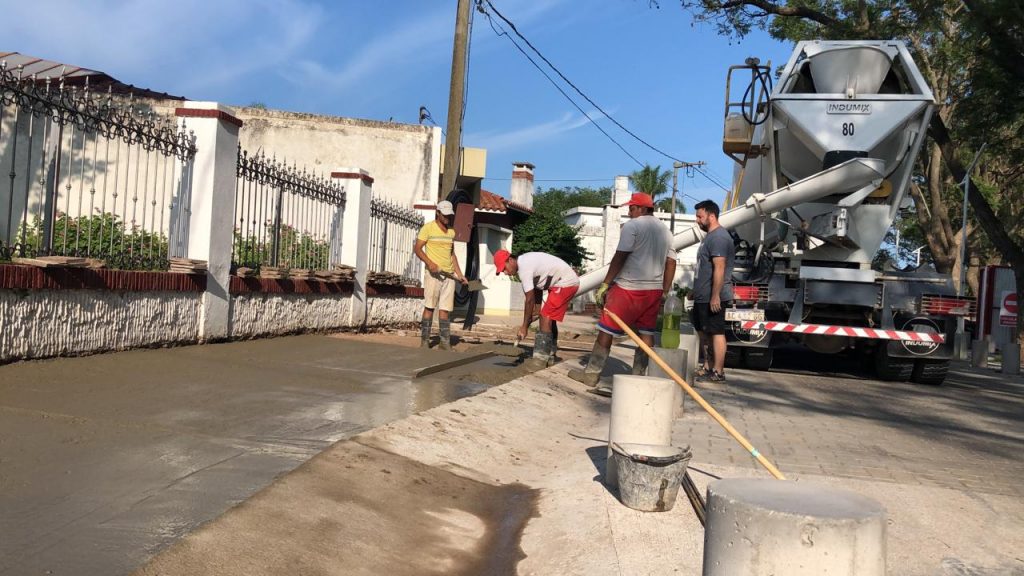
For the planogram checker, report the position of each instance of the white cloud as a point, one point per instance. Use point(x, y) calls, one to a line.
point(495, 141)
point(424, 39)
point(172, 46)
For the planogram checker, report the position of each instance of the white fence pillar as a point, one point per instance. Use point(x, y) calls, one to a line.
point(612, 223)
point(212, 217)
point(355, 235)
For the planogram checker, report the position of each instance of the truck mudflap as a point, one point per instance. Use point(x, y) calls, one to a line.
point(848, 331)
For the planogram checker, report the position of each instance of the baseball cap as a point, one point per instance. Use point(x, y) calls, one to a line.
point(640, 199)
point(500, 259)
point(445, 207)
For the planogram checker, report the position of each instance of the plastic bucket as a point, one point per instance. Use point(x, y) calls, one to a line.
point(649, 475)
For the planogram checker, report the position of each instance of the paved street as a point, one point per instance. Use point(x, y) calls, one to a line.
point(964, 435)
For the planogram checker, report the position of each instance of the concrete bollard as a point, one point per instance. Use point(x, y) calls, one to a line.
point(1011, 359)
point(641, 414)
point(676, 359)
point(689, 341)
point(757, 527)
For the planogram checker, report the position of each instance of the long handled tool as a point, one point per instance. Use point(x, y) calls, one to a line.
point(698, 398)
point(471, 285)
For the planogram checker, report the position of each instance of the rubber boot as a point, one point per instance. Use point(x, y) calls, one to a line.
point(446, 334)
point(554, 345)
point(425, 332)
point(640, 362)
point(591, 374)
point(541, 352)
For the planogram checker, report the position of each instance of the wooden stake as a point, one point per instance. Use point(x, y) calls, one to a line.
point(698, 398)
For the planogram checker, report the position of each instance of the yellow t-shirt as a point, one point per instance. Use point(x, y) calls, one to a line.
point(439, 245)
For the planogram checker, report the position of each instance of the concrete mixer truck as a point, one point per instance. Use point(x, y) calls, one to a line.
point(824, 159)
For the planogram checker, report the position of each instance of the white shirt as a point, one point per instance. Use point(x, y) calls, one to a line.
point(543, 271)
point(649, 244)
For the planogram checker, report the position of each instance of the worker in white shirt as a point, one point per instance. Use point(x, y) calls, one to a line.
point(539, 272)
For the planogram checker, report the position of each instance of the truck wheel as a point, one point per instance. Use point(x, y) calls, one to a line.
point(931, 372)
point(733, 357)
point(758, 358)
point(892, 369)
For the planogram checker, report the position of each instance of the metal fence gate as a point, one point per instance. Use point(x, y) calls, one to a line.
point(90, 174)
point(393, 231)
point(285, 216)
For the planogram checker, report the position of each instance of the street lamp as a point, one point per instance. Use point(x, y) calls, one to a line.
point(963, 234)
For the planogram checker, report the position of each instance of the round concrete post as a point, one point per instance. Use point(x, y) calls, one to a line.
point(642, 409)
point(757, 527)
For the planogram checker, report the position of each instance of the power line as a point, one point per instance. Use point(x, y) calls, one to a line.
point(559, 179)
point(580, 92)
point(557, 87)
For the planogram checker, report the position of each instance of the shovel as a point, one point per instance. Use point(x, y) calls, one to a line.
point(473, 286)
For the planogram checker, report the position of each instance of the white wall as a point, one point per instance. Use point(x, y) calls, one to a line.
point(592, 235)
point(399, 157)
point(47, 323)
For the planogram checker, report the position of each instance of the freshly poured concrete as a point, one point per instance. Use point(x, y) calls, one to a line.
point(105, 460)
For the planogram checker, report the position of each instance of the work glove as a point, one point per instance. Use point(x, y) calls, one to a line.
point(601, 294)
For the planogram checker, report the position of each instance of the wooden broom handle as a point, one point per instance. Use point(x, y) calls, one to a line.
point(700, 400)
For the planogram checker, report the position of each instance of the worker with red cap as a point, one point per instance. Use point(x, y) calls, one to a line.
point(539, 273)
point(639, 276)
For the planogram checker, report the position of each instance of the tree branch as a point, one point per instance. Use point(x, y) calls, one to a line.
point(772, 8)
point(987, 218)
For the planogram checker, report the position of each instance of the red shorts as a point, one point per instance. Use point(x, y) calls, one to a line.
point(637, 308)
point(557, 303)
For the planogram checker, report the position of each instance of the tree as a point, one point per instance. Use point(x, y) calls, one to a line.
point(971, 53)
point(559, 200)
point(665, 205)
point(546, 231)
point(651, 179)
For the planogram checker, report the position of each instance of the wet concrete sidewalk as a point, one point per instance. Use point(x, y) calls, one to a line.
point(105, 460)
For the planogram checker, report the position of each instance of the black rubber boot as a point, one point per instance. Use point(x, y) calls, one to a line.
point(640, 362)
point(446, 334)
point(541, 351)
point(425, 332)
point(591, 374)
point(554, 344)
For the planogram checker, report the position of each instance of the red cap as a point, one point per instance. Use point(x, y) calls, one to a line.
point(500, 258)
point(640, 199)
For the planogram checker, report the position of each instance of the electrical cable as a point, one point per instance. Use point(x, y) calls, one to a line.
point(557, 87)
point(578, 91)
point(512, 25)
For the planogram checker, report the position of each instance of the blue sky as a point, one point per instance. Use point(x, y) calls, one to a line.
point(656, 72)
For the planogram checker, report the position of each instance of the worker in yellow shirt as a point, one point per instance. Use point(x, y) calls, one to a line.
point(434, 246)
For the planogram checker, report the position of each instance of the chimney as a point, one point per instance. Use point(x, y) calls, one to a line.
point(621, 193)
point(522, 184)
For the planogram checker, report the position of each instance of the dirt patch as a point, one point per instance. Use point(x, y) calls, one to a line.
point(358, 510)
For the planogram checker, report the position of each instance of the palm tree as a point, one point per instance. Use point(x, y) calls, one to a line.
point(651, 179)
point(665, 205)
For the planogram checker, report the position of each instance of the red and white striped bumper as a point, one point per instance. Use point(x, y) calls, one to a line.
point(825, 330)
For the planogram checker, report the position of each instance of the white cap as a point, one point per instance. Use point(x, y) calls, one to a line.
point(445, 207)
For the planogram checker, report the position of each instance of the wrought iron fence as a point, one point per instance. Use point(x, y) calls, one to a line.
point(393, 231)
point(286, 217)
point(90, 174)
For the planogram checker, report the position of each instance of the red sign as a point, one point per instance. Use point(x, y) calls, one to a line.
point(1008, 309)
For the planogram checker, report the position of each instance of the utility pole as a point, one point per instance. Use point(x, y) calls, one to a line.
point(675, 178)
point(452, 148)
